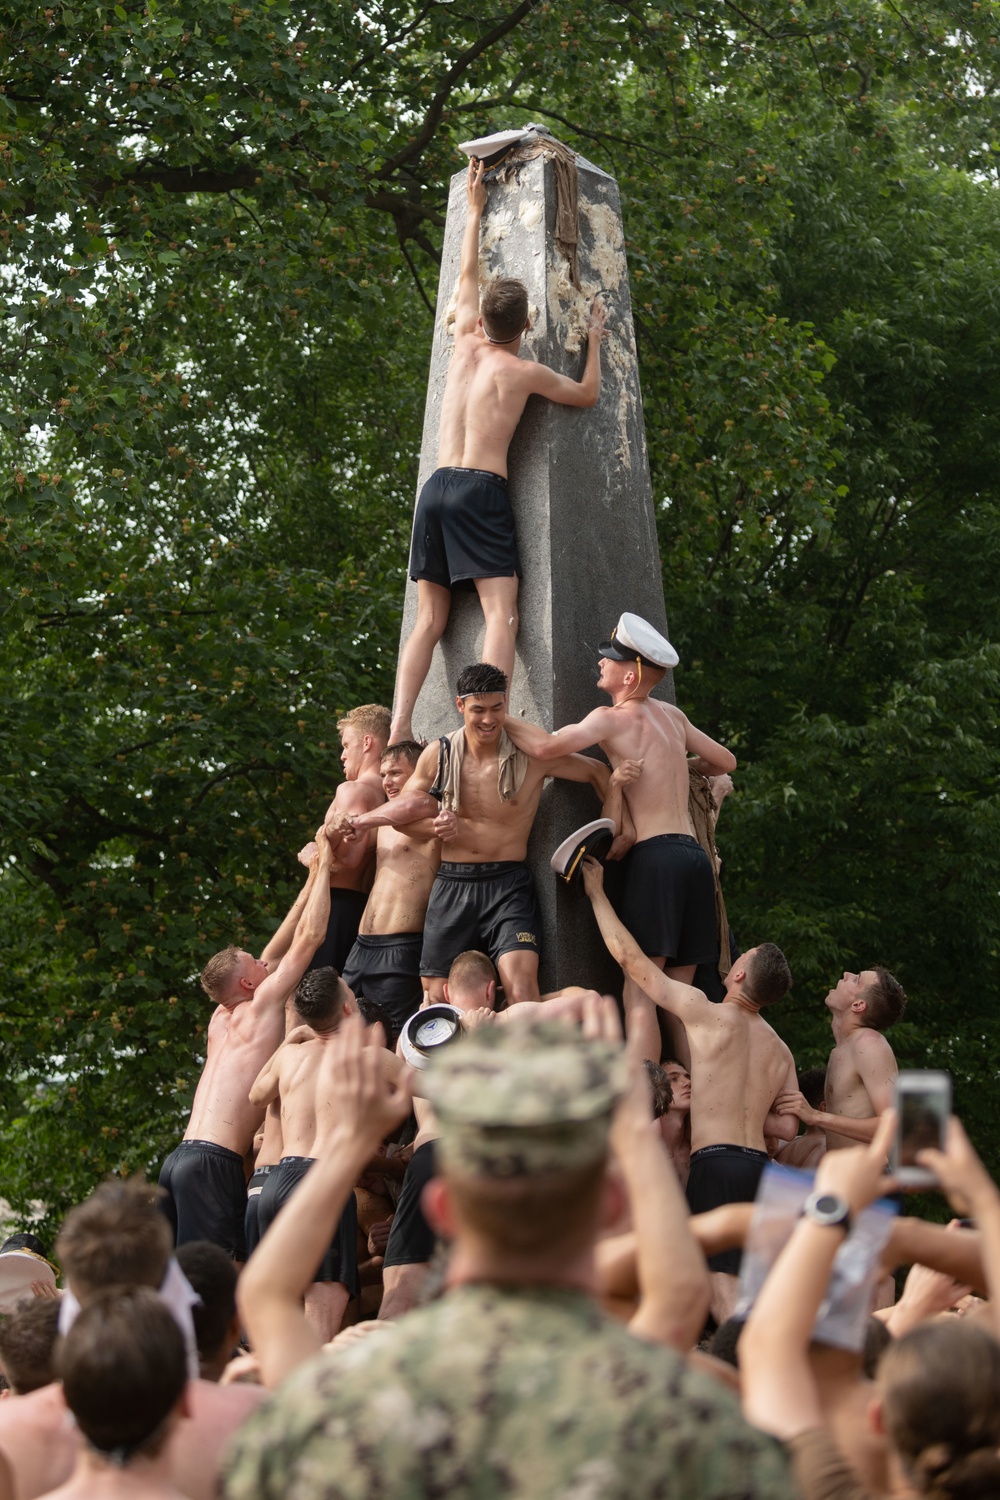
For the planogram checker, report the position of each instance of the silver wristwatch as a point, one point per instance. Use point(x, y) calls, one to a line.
point(829, 1210)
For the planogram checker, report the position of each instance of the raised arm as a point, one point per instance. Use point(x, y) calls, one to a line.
point(779, 1389)
point(467, 306)
point(713, 759)
point(541, 381)
point(674, 1286)
point(309, 933)
point(581, 768)
point(541, 745)
point(689, 1005)
point(356, 1092)
point(279, 944)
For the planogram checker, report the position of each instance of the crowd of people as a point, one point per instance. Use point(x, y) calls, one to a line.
point(432, 1232)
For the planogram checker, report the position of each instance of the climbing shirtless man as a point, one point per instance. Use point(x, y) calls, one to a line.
point(483, 895)
point(322, 1000)
point(739, 1068)
point(364, 734)
point(463, 529)
point(384, 964)
point(203, 1178)
point(861, 1071)
point(668, 894)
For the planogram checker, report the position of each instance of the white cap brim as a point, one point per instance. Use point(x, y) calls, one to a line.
point(568, 857)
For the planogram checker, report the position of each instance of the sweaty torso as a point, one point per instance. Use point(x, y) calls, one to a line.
point(489, 829)
point(738, 1068)
point(654, 733)
point(482, 405)
point(846, 1093)
point(238, 1047)
point(404, 874)
point(299, 1066)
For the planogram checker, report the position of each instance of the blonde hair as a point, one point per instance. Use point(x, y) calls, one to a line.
point(218, 972)
point(368, 718)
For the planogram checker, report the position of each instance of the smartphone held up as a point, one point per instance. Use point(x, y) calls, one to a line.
point(923, 1107)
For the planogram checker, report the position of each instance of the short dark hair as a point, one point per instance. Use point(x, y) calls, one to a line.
point(768, 976)
point(480, 681)
point(118, 1237)
point(503, 307)
point(123, 1367)
point(725, 1340)
point(372, 1013)
point(885, 1001)
point(812, 1087)
point(659, 1083)
point(319, 998)
point(410, 750)
point(27, 1344)
point(213, 1276)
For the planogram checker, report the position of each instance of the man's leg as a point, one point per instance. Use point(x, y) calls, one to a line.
point(433, 607)
point(498, 596)
point(519, 975)
point(326, 1302)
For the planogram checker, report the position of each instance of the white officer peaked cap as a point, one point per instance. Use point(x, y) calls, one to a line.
point(634, 639)
point(593, 838)
point(428, 1029)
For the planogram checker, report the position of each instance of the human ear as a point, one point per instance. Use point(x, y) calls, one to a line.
point(435, 1201)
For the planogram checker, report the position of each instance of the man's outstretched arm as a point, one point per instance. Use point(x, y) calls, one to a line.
point(541, 381)
point(581, 768)
point(713, 759)
point(467, 305)
point(279, 944)
point(540, 745)
point(309, 933)
point(688, 1004)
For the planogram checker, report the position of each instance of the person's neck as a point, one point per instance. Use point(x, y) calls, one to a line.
point(843, 1025)
point(95, 1474)
point(475, 1261)
point(737, 997)
point(625, 695)
point(369, 772)
point(673, 1128)
point(480, 751)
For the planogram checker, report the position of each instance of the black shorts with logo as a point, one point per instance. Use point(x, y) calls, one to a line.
point(206, 1195)
point(411, 1238)
point(346, 911)
point(724, 1174)
point(254, 1189)
point(463, 529)
point(667, 899)
point(488, 906)
point(386, 969)
point(340, 1263)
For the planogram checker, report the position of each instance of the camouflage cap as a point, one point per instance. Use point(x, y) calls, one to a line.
point(512, 1101)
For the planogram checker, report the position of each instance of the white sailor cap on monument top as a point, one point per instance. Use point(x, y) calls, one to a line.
point(634, 639)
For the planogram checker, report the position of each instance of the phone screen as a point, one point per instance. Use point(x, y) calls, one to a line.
point(923, 1104)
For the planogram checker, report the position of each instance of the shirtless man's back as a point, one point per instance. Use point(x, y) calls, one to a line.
point(667, 900)
point(384, 964)
point(861, 1071)
point(483, 896)
point(739, 1068)
point(203, 1178)
point(321, 1002)
point(463, 529)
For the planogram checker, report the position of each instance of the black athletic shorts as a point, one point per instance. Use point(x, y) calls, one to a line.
point(411, 1238)
point(724, 1174)
point(489, 906)
point(667, 899)
point(387, 970)
point(254, 1189)
point(340, 1263)
point(346, 909)
point(206, 1195)
point(463, 529)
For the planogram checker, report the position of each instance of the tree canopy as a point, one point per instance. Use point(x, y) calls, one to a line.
point(220, 227)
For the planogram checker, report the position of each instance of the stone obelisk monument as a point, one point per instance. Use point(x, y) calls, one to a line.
point(580, 490)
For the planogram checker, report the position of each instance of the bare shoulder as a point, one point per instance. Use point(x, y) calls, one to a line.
point(871, 1046)
point(392, 1065)
point(230, 1404)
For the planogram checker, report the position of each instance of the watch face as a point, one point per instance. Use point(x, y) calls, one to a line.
point(827, 1203)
